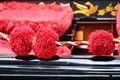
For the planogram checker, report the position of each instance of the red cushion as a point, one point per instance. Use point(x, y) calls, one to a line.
point(14, 14)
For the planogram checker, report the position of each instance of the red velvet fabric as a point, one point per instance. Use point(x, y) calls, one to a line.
point(14, 14)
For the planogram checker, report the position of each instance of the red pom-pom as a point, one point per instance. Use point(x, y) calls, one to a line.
point(21, 40)
point(101, 43)
point(44, 43)
point(118, 49)
point(63, 51)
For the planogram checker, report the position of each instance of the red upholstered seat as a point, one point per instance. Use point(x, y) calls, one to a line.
point(15, 14)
